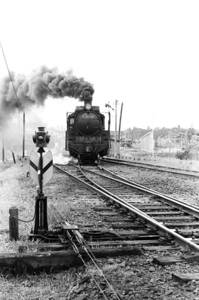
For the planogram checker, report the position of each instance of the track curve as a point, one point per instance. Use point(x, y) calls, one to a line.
point(176, 219)
point(150, 166)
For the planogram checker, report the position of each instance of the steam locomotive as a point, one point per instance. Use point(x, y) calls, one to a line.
point(86, 137)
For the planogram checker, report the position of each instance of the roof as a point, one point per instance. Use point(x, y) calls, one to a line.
point(149, 132)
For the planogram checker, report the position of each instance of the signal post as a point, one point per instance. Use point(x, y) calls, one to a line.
point(41, 219)
point(41, 172)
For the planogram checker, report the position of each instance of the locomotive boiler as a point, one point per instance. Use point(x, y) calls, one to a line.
point(86, 137)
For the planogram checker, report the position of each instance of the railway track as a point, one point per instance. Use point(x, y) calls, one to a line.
point(142, 215)
point(78, 244)
point(150, 166)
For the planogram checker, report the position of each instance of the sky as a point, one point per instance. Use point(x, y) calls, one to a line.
point(142, 53)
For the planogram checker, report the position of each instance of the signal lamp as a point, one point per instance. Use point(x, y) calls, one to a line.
point(41, 137)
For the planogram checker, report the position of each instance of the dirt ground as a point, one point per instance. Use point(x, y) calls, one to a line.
point(13, 191)
point(129, 154)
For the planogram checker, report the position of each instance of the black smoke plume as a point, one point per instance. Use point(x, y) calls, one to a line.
point(35, 89)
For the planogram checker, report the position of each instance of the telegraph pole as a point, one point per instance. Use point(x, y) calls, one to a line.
point(16, 96)
point(115, 146)
point(3, 150)
point(119, 132)
point(23, 142)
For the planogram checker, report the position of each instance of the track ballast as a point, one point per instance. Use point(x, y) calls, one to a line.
point(163, 218)
point(150, 166)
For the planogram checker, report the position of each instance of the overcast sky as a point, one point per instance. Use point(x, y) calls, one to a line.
point(144, 53)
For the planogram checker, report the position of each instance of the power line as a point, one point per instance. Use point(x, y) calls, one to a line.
point(9, 73)
point(17, 98)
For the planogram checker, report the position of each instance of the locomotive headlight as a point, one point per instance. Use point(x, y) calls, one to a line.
point(87, 106)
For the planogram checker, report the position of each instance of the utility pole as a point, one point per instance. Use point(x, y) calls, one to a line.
point(23, 142)
point(3, 150)
point(119, 132)
point(109, 122)
point(15, 93)
point(115, 146)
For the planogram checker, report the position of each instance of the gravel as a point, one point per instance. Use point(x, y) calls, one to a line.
point(182, 187)
point(133, 277)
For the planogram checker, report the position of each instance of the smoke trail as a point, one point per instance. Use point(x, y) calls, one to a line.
point(35, 89)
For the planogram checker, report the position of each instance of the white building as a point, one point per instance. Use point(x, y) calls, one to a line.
point(147, 142)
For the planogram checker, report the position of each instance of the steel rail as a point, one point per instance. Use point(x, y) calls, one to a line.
point(188, 208)
point(133, 184)
point(186, 242)
point(150, 166)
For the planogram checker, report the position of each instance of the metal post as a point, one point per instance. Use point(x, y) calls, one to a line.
point(41, 222)
point(41, 139)
point(13, 156)
point(41, 150)
point(23, 143)
point(13, 223)
point(115, 146)
point(119, 132)
point(3, 151)
point(66, 133)
point(109, 121)
point(109, 129)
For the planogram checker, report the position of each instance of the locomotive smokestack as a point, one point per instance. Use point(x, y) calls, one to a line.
point(87, 95)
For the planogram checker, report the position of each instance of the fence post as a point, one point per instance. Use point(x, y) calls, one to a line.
point(13, 223)
point(13, 156)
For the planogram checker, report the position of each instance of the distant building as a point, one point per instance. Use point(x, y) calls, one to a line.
point(147, 142)
point(126, 143)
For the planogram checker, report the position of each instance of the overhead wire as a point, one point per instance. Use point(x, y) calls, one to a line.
point(9, 73)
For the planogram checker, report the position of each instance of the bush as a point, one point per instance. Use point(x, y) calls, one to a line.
point(183, 154)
